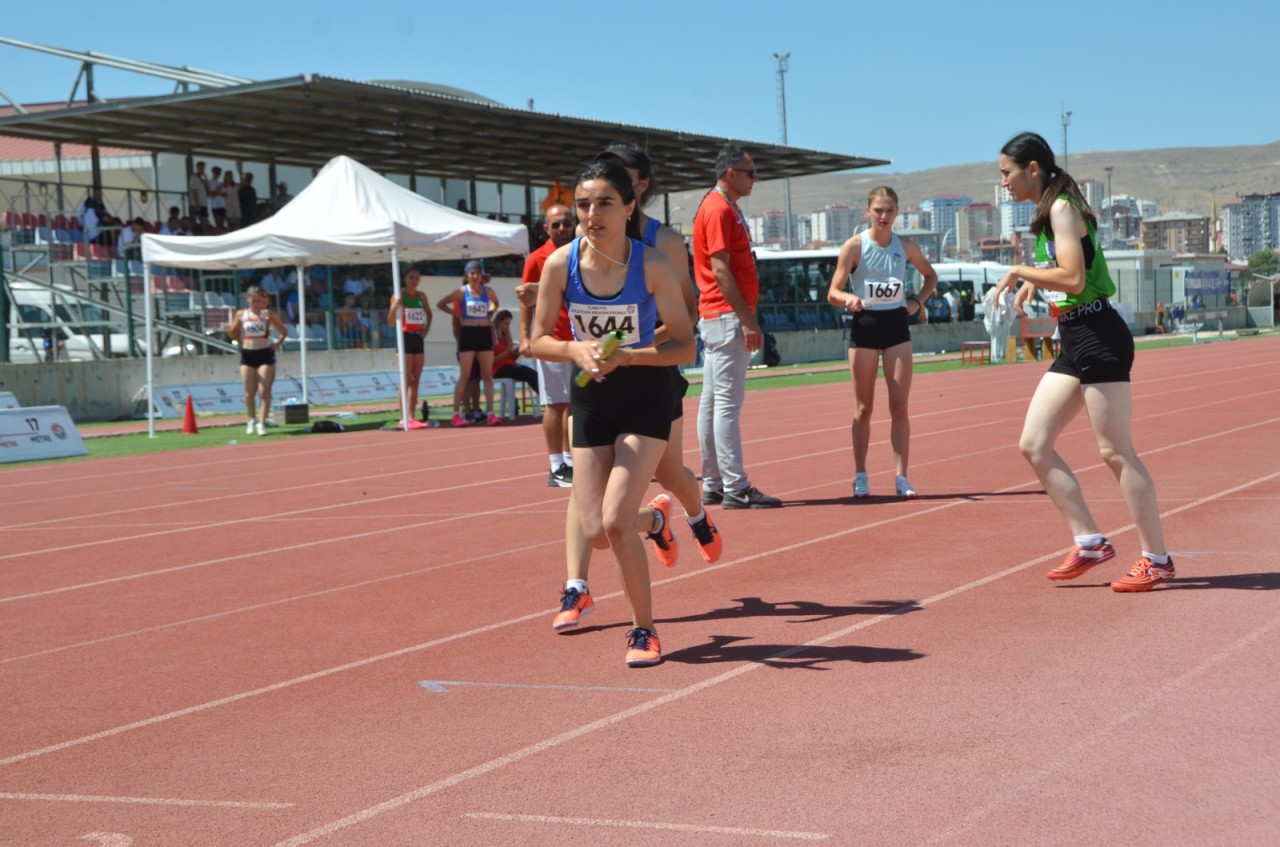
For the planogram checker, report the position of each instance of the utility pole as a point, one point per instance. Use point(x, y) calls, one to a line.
point(782, 113)
point(1111, 205)
point(1066, 121)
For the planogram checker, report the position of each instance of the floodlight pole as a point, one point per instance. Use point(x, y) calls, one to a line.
point(1066, 121)
point(782, 113)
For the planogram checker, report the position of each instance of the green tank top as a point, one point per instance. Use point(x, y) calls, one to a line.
point(1097, 279)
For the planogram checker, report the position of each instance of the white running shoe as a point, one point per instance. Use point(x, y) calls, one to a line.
point(248, 428)
point(860, 487)
point(905, 491)
point(262, 430)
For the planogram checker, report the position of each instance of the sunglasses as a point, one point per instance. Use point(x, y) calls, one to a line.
point(561, 225)
point(751, 172)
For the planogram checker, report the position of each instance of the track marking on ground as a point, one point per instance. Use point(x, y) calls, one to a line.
point(671, 827)
point(1145, 708)
point(441, 686)
point(143, 801)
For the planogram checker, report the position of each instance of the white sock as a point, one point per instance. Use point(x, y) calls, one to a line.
point(579, 584)
point(1157, 560)
point(1089, 540)
point(568, 458)
point(693, 519)
point(555, 461)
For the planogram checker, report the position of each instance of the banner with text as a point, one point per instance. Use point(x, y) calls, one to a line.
point(38, 432)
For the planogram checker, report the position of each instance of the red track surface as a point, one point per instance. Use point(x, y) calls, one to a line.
point(226, 646)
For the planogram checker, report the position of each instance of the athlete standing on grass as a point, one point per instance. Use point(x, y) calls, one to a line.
point(1092, 370)
point(622, 418)
point(874, 264)
point(252, 327)
point(671, 472)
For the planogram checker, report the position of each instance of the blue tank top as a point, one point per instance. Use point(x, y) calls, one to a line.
point(475, 307)
point(880, 277)
point(632, 310)
point(650, 236)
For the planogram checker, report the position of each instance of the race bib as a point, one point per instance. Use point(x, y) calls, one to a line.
point(477, 309)
point(1048, 295)
point(415, 317)
point(255, 328)
point(883, 292)
point(593, 321)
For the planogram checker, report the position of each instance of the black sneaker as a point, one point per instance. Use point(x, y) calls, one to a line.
point(561, 477)
point(712, 498)
point(749, 498)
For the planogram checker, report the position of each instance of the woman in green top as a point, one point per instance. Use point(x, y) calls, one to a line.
point(1090, 373)
point(412, 313)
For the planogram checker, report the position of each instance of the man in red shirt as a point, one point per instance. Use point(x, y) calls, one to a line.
point(728, 286)
point(553, 377)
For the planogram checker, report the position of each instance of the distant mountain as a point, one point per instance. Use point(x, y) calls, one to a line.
point(1186, 179)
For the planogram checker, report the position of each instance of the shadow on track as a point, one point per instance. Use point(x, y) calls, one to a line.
point(726, 648)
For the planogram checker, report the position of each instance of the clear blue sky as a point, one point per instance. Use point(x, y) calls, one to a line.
point(927, 85)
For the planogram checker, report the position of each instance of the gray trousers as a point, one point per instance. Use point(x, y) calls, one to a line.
point(724, 376)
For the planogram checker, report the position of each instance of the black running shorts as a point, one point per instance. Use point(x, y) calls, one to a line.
point(629, 400)
point(879, 330)
point(1096, 344)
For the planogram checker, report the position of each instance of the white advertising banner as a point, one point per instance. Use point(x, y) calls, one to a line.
point(38, 432)
point(8, 401)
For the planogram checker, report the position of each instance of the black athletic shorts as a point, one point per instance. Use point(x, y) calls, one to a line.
point(413, 343)
point(475, 339)
point(679, 385)
point(1096, 344)
point(629, 400)
point(879, 329)
point(257, 358)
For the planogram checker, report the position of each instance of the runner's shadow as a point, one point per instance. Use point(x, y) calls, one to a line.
point(755, 607)
point(801, 611)
point(724, 648)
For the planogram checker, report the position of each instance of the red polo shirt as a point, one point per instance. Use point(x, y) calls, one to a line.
point(533, 273)
point(717, 227)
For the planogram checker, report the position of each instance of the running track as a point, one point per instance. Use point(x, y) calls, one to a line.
point(359, 652)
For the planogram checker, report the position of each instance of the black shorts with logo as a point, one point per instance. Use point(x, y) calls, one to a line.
point(413, 343)
point(1097, 345)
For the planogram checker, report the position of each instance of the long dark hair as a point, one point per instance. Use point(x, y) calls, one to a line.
point(629, 155)
point(1027, 147)
point(613, 173)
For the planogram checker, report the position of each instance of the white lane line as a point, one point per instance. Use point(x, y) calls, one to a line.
point(441, 686)
point(606, 722)
point(143, 801)
point(672, 827)
point(1144, 708)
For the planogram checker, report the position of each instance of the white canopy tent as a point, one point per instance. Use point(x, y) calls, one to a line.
point(347, 215)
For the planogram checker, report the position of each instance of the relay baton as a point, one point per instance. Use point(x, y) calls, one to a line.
point(611, 342)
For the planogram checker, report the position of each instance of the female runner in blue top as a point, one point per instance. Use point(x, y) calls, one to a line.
point(610, 281)
point(1092, 370)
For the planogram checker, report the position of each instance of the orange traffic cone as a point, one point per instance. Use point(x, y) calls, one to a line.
point(189, 421)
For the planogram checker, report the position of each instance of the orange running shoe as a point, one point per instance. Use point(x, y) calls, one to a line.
point(1080, 559)
point(643, 649)
point(664, 542)
point(708, 537)
point(1144, 576)
point(575, 606)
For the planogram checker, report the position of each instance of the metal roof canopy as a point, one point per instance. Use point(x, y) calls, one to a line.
point(307, 120)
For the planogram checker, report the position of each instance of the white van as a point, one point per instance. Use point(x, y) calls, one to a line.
point(75, 337)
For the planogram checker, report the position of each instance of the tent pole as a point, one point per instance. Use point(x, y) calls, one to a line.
point(302, 325)
point(151, 342)
point(395, 285)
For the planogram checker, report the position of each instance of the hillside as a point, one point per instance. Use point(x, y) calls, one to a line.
point(1188, 179)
